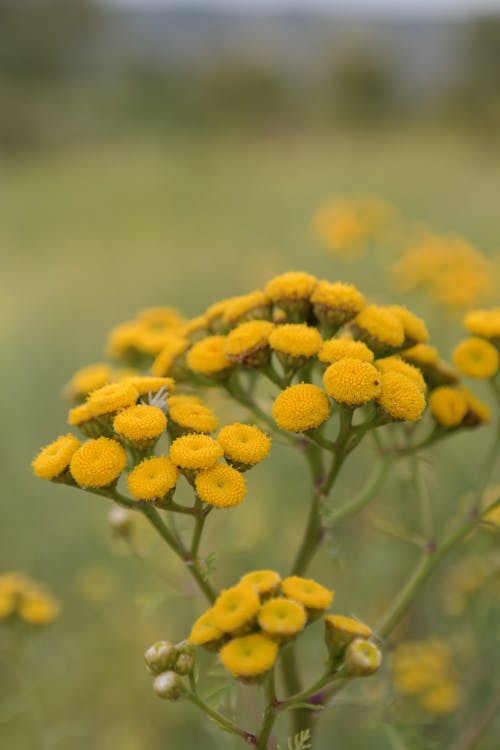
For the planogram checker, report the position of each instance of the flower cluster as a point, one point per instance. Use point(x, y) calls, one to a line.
point(425, 669)
point(169, 663)
point(27, 600)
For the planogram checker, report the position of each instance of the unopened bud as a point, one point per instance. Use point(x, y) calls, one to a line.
point(340, 631)
point(184, 664)
point(168, 685)
point(161, 656)
point(120, 520)
point(362, 658)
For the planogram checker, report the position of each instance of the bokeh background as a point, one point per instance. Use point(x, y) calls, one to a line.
point(160, 155)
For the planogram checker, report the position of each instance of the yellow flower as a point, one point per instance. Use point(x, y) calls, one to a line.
point(248, 343)
point(340, 348)
point(250, 656)
point(421, 354)
point(291, 286)
point(247, 306)
point(485, 323)
point(111, 398)
point(306, 591)
point(264, 581)
point(221, 486)
point(160, 317)
point(396, 364)
point(336, 303)
point(189, 413)
point(153, 478)
point(79, 415)
point(38, 608)
point(401, 398)
point(362, 658)
point(204, 632)
point(476, 358)
point(214, 313)
point(301, 407)
point(146, 384)
point(448, 406)
point(12, 586)
point(477, 411)
point(55, 458)
point(140, 423)
point(123, 339)
point(195, 325)
point(296, 340)
point(244, 444)
point(352, 381)
point(236, 607)
point(341, 630)
point(88, 379)
point(208, 356)
point(281, 617)
point(380, 328)
point(173, 347)
point(414, 327)
point(98, 463)
point(442, 699)
point(195, 451)
point(425, 668)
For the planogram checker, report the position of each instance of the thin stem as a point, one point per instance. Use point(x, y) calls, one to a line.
point(423, 498)
point(269, 713)
point(476, 732)
point(312, 534)
point(200, 517)
point(222, 721)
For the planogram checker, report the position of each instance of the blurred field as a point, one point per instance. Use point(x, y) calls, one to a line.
point(89, 236)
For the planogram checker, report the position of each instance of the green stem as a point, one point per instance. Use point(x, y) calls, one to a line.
point(366, 494)
point(200, 517)
point(269, 713)
point(312, 534)
point(225, 724)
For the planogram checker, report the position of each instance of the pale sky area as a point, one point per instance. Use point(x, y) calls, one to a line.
point(447, 7)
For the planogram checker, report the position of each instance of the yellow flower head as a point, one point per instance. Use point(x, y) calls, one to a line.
point(221, 486)
point(250, 656)
point(195, 451)
point(79, 415)
point(476, 358)
point(448, 406)
point(306, 591)
point(153, 478)
point(111, 398)
point(247, 306)
point(380, 327)
point(55, 458)
point(485, 323)
point(208, 356)
point(264, 581)
point(352, 381)
point(414, 327)
point(401, 398)
point(146, 384)
point(341, 630)
point(426, 669)
point(189, 413)
point(281, 617)
point(98, 463)
point(477, 411)
point(301, 407)
point(421, 354)
point(336, 349)
point(173, 346)
point(442, 698)
point(194, 326)
point(336, 302)
point(213, 315)
point(247, 341)
point(123, 339)
point(140, 423)
point(244, 444)
point(291, 286)
point(88, 379)
point(160, 317)
point(296, 340)
point(396, 364)
point(38, 608)
point(204, 632)
point(236, 607)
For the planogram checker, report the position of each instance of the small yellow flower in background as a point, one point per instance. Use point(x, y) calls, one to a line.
point(476, 358)
point(146, 384)
point(380, 328)
point(426, 669)
point(477, 411)
point(301, 407)
point(153, 478)
point(244, 444)
point(311, 594)
point(31, 602)
point(265, 582)
point(140, 425)
point(191, 415)
point(296, 340)
point(147, 334)
point(341, 348)
point(160, 317)
point(414, 327)
point(111, 398)
point(246, 307)
point(38, 608)
point(448, 406)
point(396, 364)
point(352, 382)
point(470, 575)
point(79, 415)
point(221, 486)
point(205, 633)
point(98, 463)
point(88, 379)
point(195, 451)
point(55, 458)
point(336, 303)
point(250, 656)
point(292, 286)
point(173, 347)
point(248, 343)
point(401, 398)
point(485, 323)
point(421, 354)
point(282, 618)
point(196, 325)
point(236, 607)
point(208, 356)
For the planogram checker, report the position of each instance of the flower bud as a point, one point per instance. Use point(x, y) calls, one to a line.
point(168, 685)
point(340, 631)
point(161, 656)
point(184, 664)
point(362, 658)
point(120, 520)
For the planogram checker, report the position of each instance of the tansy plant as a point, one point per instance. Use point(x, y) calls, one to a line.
point(319, 369)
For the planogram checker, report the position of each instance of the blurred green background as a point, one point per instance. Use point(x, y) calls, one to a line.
point(145, 163)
